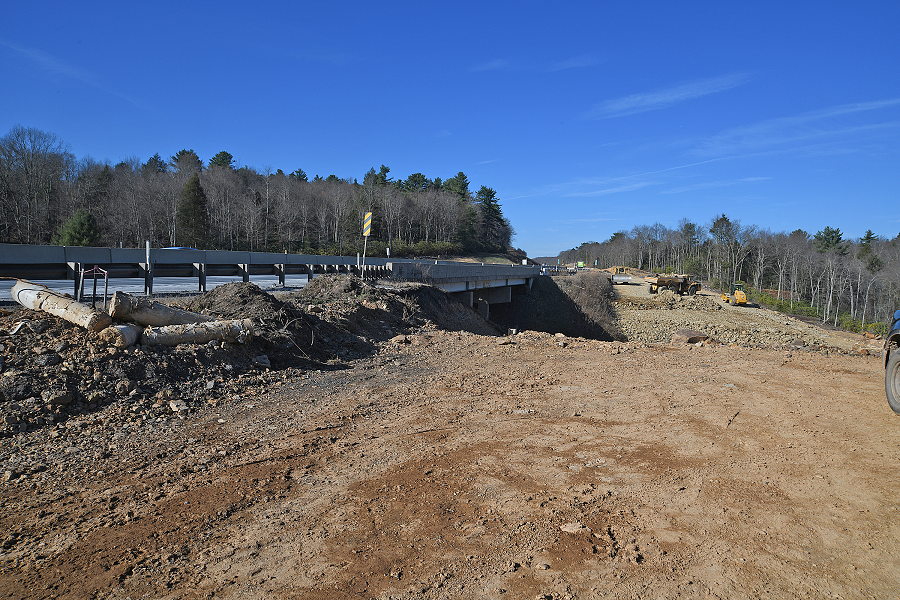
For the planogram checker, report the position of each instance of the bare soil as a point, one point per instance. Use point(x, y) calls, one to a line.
point(406, 456)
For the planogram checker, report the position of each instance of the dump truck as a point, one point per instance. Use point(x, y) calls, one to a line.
point(680, 284)
point(621, 276)
point(737, 295)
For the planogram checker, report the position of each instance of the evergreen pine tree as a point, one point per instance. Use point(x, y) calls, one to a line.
point(222, 159)
point(80, 230)
point(495, 231)
point(193, 216)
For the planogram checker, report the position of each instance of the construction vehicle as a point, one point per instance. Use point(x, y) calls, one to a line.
point(680, 284)
point(737, 295)
point(621, 276)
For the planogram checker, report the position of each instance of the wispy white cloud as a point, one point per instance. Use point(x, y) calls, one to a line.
point(58, 67)
point(638, 103)
point(494, 65)
point(443, 133)
point(613, 190)
point(712, 184)
point(487, 162)
point(50, 63)
point(576, 62)
point(587, 187)
point(824, 124)
point(593, 220)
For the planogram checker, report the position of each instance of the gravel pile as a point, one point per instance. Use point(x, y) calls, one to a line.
point(656, 320)
point(55, 374)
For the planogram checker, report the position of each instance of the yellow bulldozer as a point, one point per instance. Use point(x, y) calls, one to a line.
point(737, 295)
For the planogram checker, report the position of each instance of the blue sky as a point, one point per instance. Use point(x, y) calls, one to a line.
point(585, 117)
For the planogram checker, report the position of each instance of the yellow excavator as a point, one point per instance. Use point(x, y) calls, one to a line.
point(737, 295)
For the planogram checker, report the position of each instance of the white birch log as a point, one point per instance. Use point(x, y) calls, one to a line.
point(146, 312)
point(39, 297)
point(199, 333)
point(121, 336)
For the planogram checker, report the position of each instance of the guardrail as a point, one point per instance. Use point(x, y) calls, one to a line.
point(68, 262)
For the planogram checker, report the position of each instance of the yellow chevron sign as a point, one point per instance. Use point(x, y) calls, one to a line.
point(367, 224)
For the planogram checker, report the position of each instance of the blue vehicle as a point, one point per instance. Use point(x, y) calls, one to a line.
point(892, 364)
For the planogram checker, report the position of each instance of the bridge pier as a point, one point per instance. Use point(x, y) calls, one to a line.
point(200, 273)
point(484, 308)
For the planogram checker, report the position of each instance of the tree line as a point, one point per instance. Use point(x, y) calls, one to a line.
point(49, 196)
point(849, 283)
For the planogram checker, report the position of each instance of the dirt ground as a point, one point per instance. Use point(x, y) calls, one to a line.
point(439, 463)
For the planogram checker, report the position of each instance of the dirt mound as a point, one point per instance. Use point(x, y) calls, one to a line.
point(55, 373)
point(283, 332)
point(381, 311)
point(334, 287)
point(237, 301)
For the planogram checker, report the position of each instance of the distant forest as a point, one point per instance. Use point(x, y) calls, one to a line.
point(48, 196)
point(848, 283)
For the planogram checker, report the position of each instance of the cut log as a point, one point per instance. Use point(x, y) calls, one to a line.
point(199, 333)
point(39, 297)
point(121, 336)
point(146, 312)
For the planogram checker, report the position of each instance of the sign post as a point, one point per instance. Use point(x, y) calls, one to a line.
point(367, 230)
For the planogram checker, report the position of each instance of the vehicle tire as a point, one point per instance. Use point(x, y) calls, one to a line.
point(892, 380)
point(652, 288)
point(692, 290)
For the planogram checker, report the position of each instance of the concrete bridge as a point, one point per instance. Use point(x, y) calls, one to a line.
point(474, 284)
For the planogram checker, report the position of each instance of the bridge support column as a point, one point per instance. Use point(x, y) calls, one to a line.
point(78, 270)
point(200, 272)
point(148, 274)
point(147, 271)
point(244, 270)
point(484, 308)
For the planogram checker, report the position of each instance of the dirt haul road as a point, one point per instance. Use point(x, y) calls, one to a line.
point(458, 465)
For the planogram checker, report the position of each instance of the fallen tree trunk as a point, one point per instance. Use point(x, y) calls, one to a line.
point(146, 312)
point(199, 333)
point(39, 297)
point(121, 336)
